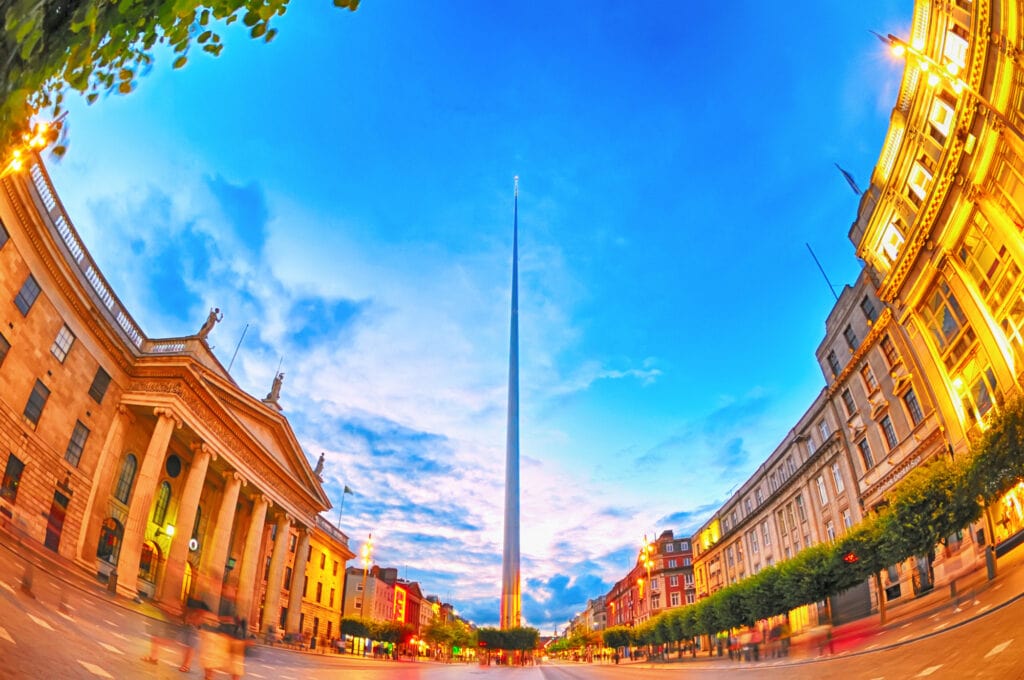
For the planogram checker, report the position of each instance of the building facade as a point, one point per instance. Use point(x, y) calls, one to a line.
point(140, 459)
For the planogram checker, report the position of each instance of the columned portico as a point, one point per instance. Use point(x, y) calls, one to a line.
point(272, 601)
point(291, 624)
point(249, 568)
point(211, 572)
point(89, 536)
point(170, 587)
point(142, 501)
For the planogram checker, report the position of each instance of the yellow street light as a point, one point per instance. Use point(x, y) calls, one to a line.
point(367, 556)
point(37, 138)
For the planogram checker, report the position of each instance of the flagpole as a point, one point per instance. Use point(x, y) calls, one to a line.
point(341, 509)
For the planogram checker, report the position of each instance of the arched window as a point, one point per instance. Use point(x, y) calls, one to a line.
point(163, 499)
point(127, 478)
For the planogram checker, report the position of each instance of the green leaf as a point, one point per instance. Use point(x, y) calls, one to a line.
point(258, 30)
point(180, 61)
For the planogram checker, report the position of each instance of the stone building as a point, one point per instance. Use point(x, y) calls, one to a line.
point(940, 230)
point(138, 458)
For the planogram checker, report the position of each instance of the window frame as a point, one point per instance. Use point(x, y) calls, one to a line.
point(76, 444)
point(63, 343)
point(26, 297)
point(36, 403)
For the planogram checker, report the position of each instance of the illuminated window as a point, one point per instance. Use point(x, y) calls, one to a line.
point(919, 181)
point(848, 403)
point(73, 454)
point(163, 499)
point(887, 429)
point(997, 276)
point(979, 391)
point(955, 47)
point(941, 118)
point(62, 344)
point(947, 324)
point(892, 241)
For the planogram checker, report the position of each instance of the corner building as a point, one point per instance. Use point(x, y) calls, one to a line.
point(940, 228)
point(138, 459)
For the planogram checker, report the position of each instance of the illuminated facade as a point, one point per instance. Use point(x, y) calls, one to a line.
point(940, 226)
point(661, 579)
point(140, 459)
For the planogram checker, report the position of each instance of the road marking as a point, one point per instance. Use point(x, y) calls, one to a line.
point(95, 670)
point(109, 622)
point(941, 626)
point(66, 616)
point(905, 625)
point(928, 671)
point(3, 584)
point(984, 608)
point(4, 635)
point(871, 646)
point(905, 637)
point(118, 635)
point(998, 648)
point(40, 622)
point(111, 648)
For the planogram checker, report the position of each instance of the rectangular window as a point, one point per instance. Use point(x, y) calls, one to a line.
point(870, 384)
point(323, 560)
point(12, 478)
point(266, 569)
point(948, 325)
point(868, 307)
point(748, 505)
point(3, 234)
point(100, 382)
point(782, 522)
point(331, 603)
point(672, 563)
point(790, 465)
point(848, 403)
point(36, 402)
point(847, 518)
point(670, 547)
point(822, 491)
point(773, 484)
point(837, 477)
point(319, 591)
point(673, 580)
point(851, 337)
point(892, 241)
point(305, 586)
point(335, 572)
point(684, 545)
point(77, 444)
point(888, 431)
point(919, 182)
point(287, 578)
point(687, 561)
point(913, 407)
point(62, 344)
point(758, 495)
point(865, 454)
point(291, 543)
point(752, 537)
point(833, 363)
point(26, 297)
point(5, 347)
point(674, 599)
point(889, 350)
point(766, 534)
point(800, 507)
point(691, 598)
point(824, 430)
point(830, 531)
point(940, 118)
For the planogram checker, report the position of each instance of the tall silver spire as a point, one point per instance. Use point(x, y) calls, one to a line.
point(510, 599)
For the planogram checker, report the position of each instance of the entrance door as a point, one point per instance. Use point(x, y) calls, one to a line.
point(55, 521)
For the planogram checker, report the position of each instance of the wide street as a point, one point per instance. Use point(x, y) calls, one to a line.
point(67, 629)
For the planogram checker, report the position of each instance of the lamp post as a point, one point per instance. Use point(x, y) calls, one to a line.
point(367, 556)
point(950, 73)
point(646, 549)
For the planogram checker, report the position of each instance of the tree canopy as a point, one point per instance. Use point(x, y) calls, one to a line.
point(95, 47)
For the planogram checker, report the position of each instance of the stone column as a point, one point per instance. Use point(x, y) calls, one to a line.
point(211, 571)
point(142, 502)
point(250, 568)
point(103, 480)
point(272, 602)
point(291, 624)
point(169, 594)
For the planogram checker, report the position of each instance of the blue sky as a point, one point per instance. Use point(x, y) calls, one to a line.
point(346, 191)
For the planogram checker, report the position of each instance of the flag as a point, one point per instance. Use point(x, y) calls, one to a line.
point(348, 490)
point(850, 180)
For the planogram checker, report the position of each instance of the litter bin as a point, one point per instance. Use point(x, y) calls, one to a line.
point(112, 581)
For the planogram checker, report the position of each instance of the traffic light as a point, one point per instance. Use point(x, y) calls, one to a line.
point(850, 557)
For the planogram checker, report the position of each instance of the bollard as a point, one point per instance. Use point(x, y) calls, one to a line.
point(112, 581)
point(990, 562)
